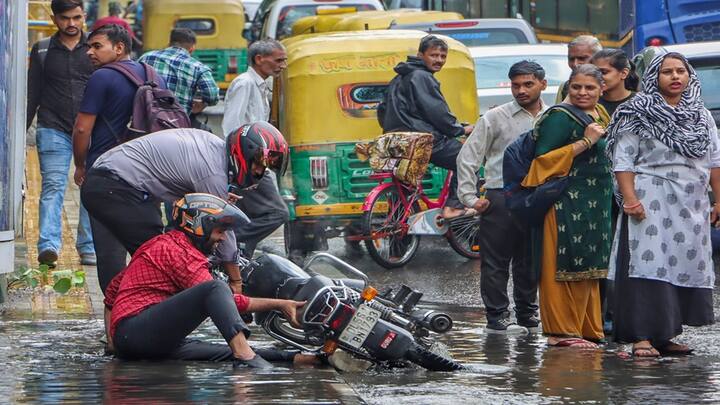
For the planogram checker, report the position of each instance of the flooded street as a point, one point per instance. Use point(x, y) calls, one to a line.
point(59, 359)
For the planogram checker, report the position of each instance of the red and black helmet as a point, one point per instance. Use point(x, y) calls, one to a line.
point(258, 142)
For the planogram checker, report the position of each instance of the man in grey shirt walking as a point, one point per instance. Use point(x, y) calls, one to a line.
point(503, 237)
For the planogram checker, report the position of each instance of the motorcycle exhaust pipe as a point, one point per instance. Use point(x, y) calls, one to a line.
point(437, 322)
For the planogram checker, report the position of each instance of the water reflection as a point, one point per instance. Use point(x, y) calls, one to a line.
point(59, 360)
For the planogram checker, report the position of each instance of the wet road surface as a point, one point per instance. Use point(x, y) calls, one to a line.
point(60, 360)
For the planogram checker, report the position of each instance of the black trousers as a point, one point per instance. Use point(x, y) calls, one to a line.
point(160, 331)
point(131, 216)
point(444, 154)
point(504, 243)
point(266, 210)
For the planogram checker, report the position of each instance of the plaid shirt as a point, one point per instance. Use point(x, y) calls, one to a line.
point(188, 78)
point(164, 266)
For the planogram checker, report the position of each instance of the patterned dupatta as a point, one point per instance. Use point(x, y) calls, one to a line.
point(683, 128)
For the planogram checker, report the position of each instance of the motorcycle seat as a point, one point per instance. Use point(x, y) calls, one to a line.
point(291, 286)
point(313, 285)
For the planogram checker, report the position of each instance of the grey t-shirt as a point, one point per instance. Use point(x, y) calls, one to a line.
point(171, 163)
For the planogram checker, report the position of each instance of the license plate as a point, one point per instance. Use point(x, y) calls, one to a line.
point(360, 326)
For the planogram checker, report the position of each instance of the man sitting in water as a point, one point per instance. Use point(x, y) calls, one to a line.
point(167, 291)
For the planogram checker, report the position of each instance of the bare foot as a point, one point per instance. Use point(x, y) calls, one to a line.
point(450, 212)
point(575, 343)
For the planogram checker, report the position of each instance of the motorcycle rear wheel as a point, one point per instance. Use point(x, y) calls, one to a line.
point(463, 235)
point(396, 248)
point(431, 361)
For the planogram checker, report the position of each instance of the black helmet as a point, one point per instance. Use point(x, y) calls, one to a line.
point(258, 142)
point(197, 214)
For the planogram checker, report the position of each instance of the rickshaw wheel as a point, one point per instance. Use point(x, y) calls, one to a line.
point(294, 249)
point(463, 235)
point(393, 247)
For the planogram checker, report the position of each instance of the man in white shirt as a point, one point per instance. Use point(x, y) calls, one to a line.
point(248, 98)
point(246, 101)
point(503, 239)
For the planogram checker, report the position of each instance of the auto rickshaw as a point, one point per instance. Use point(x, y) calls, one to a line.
point(325, 102)
point(341, 20)
point(218, 25)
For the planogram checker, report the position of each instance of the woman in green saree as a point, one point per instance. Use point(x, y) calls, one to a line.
point(575, 247)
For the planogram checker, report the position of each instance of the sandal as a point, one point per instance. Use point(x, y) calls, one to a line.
point(653, 352)
point(575, 343)
point(674, 349)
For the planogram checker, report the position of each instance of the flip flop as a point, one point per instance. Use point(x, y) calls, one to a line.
point(677, 350)
point(572, 342)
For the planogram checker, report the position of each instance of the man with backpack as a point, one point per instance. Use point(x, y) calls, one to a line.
point(503, 236)
point(119, 89)
point(59, 69)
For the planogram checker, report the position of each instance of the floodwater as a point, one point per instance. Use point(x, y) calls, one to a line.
point(59, 359)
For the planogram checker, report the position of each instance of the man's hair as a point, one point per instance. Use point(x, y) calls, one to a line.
point(114, 8)
point(61, 6)
point(263, 47)
point(431, 41)
point(587, 69)
point(587, 40)
point(526, 67)
point(115, 34)
point(182, 36)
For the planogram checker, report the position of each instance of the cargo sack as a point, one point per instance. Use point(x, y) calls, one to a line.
point(404, 154)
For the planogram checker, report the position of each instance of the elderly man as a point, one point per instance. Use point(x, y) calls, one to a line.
point(580, 51)
point(247, 101)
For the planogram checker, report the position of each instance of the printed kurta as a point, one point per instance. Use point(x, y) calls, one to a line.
point(672, 243)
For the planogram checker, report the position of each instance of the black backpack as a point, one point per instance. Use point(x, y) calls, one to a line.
point(530, 204)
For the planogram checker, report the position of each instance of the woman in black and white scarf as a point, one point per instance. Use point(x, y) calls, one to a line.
point(665, 152)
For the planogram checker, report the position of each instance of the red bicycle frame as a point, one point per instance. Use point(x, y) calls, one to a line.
point(409, 195)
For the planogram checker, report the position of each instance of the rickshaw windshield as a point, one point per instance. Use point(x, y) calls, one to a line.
point(290, 14)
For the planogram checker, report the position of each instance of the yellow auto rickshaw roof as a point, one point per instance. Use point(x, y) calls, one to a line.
point(160, 17)
point(321, 66)
point(386, 19)
point(365, 42)
point(179, 7)
point(327, 18)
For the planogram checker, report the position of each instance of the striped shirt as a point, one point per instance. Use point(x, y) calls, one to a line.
point(187, 77)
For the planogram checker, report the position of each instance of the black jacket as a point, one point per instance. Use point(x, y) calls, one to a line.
point(57, 85)
point(413, 102)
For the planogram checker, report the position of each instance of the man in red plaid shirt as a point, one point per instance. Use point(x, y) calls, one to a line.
point(167, 291)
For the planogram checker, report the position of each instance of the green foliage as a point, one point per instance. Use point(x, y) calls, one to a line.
point(60, 280)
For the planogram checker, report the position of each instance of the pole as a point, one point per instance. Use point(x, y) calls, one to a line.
point(13, 73)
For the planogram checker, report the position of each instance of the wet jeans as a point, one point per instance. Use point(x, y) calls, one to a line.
point(160, 331)
point(55, 153)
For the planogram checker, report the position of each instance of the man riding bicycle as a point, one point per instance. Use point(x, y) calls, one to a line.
point(414, 102)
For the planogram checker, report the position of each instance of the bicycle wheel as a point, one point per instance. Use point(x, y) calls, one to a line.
point(464, 236)
point(389, 244)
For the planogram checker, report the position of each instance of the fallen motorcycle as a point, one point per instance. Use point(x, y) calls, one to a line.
point(348, 313)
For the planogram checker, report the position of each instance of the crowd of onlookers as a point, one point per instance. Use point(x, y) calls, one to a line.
point(625, 249)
